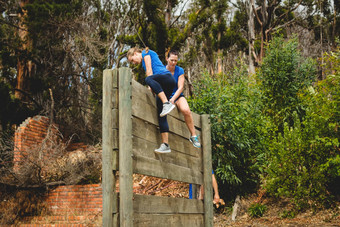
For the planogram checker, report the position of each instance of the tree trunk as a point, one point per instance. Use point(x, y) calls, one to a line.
point(190, 90)
point(219, 55)
point(264, 22)
point(24, 66)
point(334, 27)
point(251, 37)
point(321, 41)
point(168, 13)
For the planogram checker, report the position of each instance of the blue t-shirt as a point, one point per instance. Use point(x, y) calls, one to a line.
point(156, 64)
point(178, 71)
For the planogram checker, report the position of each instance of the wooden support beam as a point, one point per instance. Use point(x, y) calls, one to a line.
point(125, 148)
point(109, 154)
point(207, 171)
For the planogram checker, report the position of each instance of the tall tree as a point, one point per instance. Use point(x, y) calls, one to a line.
point(272, 15)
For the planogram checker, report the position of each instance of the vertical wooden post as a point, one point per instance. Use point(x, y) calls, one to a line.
point(109, 155)
point(194, 191)
point(207, 171)
point(125, 148)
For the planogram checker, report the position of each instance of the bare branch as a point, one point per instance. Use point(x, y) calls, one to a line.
point(257, 16)
point(285, 14)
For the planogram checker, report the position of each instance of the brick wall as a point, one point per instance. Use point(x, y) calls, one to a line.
point(75, 199)
point(29, 134)
point(69, 206)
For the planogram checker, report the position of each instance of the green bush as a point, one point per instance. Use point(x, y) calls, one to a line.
point(304, 161)
point(282, 75)
point(257, 210)
point(238, 127)
point(288, 214)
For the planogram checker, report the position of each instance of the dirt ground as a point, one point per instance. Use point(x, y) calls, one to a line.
point(274, 216)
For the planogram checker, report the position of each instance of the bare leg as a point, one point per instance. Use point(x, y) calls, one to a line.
point(183, 106)
point(165, 137)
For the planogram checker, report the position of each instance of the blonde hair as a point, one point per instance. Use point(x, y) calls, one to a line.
point(133, 50)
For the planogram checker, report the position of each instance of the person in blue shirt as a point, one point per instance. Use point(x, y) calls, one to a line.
point(179, 100)
point(161, 83)
point(177, 96)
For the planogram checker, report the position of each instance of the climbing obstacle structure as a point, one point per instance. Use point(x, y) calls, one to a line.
point(130, 135)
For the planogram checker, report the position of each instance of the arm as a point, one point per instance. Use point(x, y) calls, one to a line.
point(180, 85)
point(215, 187)
point(147, 60)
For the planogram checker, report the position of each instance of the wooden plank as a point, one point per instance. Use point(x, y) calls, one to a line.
point(168, 220)
point(150, 132)
point(157, 168)
point(150, 204)
point(141, 92)
point(144, 111)
point(146, 148)
point(207, 170)
point(108, 154)
point(125, 148)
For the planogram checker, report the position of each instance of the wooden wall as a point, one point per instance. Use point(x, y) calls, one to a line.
point(130, 135)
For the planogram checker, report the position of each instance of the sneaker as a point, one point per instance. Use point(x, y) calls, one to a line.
point(194, 141)
point(167, 107)
point(164, 148)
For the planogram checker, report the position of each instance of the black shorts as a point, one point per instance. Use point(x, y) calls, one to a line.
point(181, 95)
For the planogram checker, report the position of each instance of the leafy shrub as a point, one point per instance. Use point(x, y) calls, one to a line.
point(17, 203)
point(288, 214)
point(304, 159)
point(257, 210)
point(238, 127)
point(283, 74)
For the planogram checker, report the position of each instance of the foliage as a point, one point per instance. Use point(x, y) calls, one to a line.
point(17, 203)
point(288, 214)
point(6, 149)
point(238, 127)
point(257, 210)
point(282, 74)
point(304, 161)
point(66, 46)
point(12, 110)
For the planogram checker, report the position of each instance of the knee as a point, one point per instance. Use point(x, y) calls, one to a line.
point(147, 80)
point(186, 112)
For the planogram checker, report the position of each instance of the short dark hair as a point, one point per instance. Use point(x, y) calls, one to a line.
point(174, 52)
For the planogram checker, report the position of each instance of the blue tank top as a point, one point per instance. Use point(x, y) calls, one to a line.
point(178, 71)
point(156, 64)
